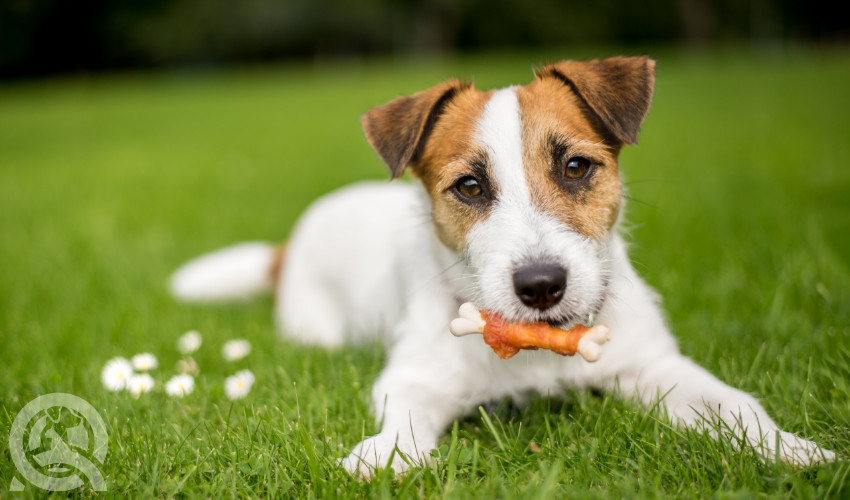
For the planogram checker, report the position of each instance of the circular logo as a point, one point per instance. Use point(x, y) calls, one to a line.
point(56, 441)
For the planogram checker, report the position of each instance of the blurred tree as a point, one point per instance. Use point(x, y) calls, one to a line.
point(47, 36)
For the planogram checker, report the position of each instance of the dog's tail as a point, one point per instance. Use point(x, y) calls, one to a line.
point(234, 273)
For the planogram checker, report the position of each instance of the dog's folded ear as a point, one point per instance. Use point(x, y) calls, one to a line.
point(398, 130)
point(617, 90)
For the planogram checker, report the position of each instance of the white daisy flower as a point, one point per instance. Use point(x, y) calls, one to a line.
point(235, 349)
point(116, 373)
point(239, 385)
point(140, 383)
point(144, 362)
point(180, 385)
point(189, 342)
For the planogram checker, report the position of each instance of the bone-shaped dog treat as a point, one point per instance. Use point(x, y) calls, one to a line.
point(507, 339)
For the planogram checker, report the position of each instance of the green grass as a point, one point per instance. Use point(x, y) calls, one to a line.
point(739, 216)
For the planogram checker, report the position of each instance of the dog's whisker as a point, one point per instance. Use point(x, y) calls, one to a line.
point(646, 181)
point(442, 273)
point(631, 198)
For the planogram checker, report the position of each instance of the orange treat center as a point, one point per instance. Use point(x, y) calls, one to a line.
point(507, 338)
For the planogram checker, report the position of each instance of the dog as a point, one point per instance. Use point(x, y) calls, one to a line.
point(517, 208)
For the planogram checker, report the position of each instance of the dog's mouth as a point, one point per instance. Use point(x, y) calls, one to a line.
point(563, 320)
point(570, 313)
point(569, 320)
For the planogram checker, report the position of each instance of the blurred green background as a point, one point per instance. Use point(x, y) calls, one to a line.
point(137, 135)
point(47, 36)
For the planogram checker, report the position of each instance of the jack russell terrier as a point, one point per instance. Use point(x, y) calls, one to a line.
point(517, 211)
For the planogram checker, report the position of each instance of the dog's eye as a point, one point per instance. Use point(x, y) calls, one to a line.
point(576, 168)
point(468, 187)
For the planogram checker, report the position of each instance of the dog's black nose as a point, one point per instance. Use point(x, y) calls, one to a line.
point(540, 286)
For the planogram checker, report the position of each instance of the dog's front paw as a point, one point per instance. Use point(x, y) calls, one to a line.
point(796, 450)
point(381, 451)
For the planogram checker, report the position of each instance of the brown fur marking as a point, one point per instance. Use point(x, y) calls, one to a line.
point(618, 90)
point(548, 110)
point(447, 156)
point(399, 129)
point(276, 266)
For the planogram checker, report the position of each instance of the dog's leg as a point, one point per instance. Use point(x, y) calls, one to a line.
point(422, 389)
point(694, 397)
point(415, 412)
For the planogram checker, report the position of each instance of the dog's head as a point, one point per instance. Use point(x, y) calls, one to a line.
point(524, 181)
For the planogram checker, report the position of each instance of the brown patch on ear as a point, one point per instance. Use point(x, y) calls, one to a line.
point(551, 116)
point(398, 130)
point(451, 153)
point(618, 90)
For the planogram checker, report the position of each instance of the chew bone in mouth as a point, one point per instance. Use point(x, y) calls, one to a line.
point(507, 338)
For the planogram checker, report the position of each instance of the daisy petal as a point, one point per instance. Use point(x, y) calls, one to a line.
point(236, 349)
point(239, 385)
point(144, 362)
point(180, 385)
point(116, 374)
point(189, 342)
point(140, 383)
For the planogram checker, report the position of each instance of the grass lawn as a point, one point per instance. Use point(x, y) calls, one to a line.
point(739, 215)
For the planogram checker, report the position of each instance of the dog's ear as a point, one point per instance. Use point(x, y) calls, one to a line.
point(398, 129)
point(617, 90)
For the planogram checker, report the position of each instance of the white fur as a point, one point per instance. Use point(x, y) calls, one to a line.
point(234, 273)
point(340, 278)
point(365, 261)
point(500, 132)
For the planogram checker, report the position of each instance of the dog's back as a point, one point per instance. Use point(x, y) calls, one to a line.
point(341, 277)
